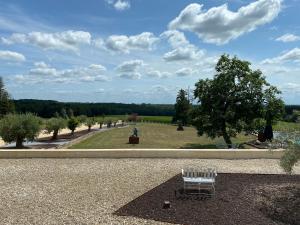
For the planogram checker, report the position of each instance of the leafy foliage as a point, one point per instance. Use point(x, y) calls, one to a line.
point(73, 124)
point(90, 122)
point(233, 100)
point(54, 125)
point(290, 158)
point(6, 105)
point(18, 127)
point(182, 107)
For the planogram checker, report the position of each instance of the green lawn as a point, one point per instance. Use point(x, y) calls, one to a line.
point(286, 126)
point(157, 119)
point(153, 136)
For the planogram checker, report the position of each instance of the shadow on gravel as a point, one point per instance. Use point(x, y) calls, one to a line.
point(236, 201)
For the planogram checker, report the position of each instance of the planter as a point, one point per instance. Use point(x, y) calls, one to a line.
point(134, 140)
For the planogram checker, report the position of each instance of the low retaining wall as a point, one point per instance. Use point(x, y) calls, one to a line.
point(142, 153)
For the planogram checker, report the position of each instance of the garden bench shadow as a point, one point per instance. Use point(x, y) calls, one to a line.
point(234, 201)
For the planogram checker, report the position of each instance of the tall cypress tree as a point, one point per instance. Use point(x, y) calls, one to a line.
point(182, 107)
point(6, 105)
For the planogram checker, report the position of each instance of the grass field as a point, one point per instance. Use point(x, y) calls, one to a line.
point(286, 126)
point(153, 136)
point(154, 119)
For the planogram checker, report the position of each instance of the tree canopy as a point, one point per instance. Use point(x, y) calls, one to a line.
point(182, 107)
point(233, 100)
point(54, 125)
point(18, 127)
point(6, 104)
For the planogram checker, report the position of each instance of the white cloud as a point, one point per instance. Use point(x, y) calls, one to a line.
point(97, 67)
point(157, 74)
point(41, 68)
point(290, 56)
point(184, 72)
point(288, 38)
point(129, 69)
point(100, 90)
point(44, 73)
point(119, 5)
point(219, 25)
point(124, 44)
point(12, 56)
point(130, 66)
point(290, 87)
point(175, 38)
point(183, 53)
point(131, 75)
point(68, 40)
point(182, 49)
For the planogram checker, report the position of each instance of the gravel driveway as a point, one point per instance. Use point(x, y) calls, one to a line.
point(89, 191)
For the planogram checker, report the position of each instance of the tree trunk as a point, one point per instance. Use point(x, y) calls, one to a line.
point(19, 143)
point(101, 125)
point(72, 132)
point(55, 133)
point(90, 128)
point(227, 139)
point(226, 136)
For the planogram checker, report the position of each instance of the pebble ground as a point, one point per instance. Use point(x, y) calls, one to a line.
point(89, 191)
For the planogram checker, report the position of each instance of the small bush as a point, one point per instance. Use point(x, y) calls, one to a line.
point(54, 125)
point(73, 124)
point(290, 158)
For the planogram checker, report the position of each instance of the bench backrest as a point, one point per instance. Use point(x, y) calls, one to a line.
point(199, 172)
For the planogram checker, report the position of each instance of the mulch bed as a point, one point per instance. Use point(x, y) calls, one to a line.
point(66, 136)
point(240, 199)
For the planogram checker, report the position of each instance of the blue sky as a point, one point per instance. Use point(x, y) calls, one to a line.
point(140, 51)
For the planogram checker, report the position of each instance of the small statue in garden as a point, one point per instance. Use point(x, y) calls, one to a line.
point(134, 138)
point(180, 127)
point(135, 132)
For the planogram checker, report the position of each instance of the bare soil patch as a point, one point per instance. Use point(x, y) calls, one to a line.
point(240, 199)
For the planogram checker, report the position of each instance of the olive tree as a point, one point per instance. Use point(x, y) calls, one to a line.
point(18, 127)
point(89, 122)
point(100, 121)
point(54, 125)
point(73, 124)
point(233, 100)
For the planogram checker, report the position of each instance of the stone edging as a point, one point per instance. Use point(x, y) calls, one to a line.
point(143, 153)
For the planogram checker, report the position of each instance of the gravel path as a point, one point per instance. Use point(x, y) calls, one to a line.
point(89, 191)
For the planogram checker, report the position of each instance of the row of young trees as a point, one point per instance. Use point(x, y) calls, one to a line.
point(20, 127)
point(15, 127)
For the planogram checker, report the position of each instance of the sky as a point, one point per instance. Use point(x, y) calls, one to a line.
point(142, 51)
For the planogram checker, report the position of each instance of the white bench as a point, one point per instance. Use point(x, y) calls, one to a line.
point(199, 179)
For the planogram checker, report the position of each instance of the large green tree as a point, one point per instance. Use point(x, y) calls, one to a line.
point(6, 105)
point(182, 107)
point(233, 100)
point(18, 127)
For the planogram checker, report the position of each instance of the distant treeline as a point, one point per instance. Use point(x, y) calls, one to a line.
point(47, 108)
point(290, 108)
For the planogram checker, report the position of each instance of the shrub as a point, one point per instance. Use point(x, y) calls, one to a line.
point(54, 125)
point(290, 158)
point(18, 127)
point(72, 124)
point(90, 122)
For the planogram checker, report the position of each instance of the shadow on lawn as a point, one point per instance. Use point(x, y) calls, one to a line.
point(233, 203)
